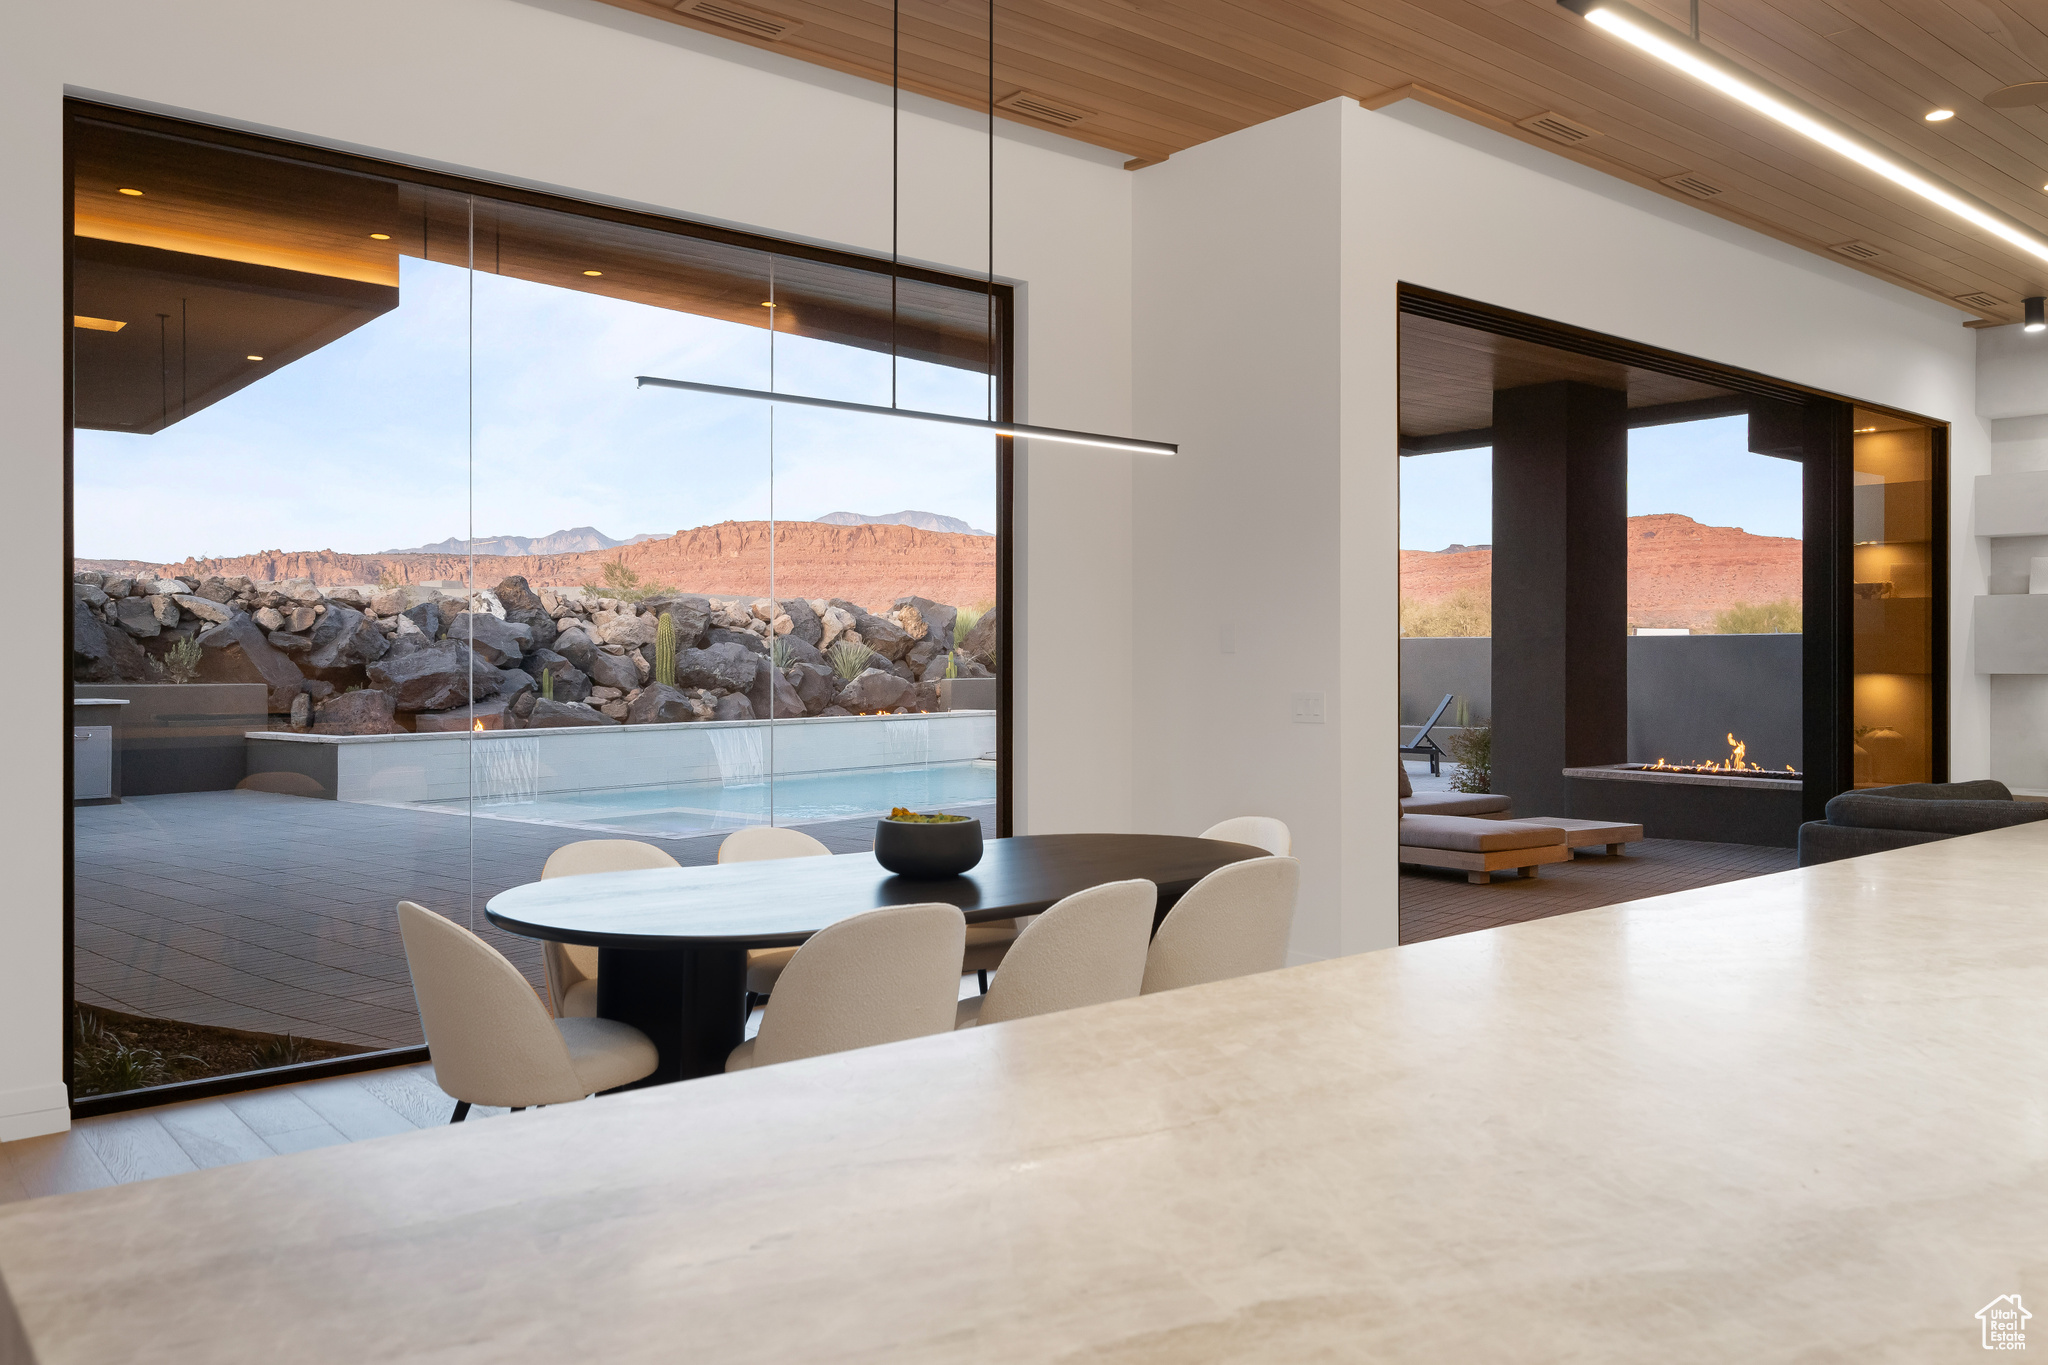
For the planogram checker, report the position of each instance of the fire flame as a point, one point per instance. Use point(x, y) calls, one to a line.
point(478, 726)
point(1736, 762)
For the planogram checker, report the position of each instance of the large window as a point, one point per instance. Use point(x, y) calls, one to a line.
point(389, 580)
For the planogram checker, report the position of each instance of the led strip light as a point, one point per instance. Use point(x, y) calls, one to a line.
point(1667, 45)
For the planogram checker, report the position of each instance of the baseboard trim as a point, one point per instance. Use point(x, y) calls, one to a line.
point(34, 1111)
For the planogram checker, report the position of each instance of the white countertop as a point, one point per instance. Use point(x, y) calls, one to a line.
point(1800, 1117)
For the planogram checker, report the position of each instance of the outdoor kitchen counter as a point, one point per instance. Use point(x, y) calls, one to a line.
point(1797, 1117)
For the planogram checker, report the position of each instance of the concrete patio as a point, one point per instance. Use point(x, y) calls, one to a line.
point(251, 910)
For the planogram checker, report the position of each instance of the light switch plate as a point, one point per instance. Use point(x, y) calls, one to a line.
point(1308, 708)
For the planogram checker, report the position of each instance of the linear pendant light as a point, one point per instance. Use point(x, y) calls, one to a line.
point(988, 424)
point(1074, 438)
point(1673, 48)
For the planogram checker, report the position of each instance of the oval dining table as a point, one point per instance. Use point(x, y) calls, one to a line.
point(672, 942)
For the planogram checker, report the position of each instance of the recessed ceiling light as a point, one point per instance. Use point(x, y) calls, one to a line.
point(380, 236)
point(96, 324)
point(768, 305)
point(136, 193)
point(254, 357)
point(593, 273)
point(1940, 115)
point(1865, 431)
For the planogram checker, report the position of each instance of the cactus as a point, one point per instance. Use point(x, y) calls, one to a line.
point(547, 684)
point(665, 650)
point(952, 664)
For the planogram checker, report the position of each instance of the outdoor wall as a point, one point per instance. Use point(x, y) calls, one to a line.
point(588, 100)
point(1265, 306)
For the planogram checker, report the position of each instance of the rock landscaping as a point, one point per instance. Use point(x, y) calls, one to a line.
point(389, 660)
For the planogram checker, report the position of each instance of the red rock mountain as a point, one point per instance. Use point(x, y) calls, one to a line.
point(871, 565)
point(1679, 572)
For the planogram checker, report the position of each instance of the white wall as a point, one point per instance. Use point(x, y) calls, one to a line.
point(2012, 393)
point(1295, 450)
point(575, 96)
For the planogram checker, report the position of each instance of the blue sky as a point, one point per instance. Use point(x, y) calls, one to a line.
point(1702, 470)
point(362, 446)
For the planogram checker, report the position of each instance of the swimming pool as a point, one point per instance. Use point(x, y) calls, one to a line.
point(685, 808)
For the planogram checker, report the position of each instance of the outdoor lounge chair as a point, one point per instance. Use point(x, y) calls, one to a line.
point(1424, 746)
point(1480, 848)
point(1483, 805)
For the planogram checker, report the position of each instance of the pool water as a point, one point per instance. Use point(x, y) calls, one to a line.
point(685, 808)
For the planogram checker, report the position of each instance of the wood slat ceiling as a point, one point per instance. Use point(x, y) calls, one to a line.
point(1151, 77)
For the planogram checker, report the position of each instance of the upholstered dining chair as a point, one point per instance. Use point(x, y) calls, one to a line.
point(572, 967)
point(491, 1039)
point(1233, 922)
point(760, 843)
point(877, 977)
point(1088, 949)
point(1260, 831)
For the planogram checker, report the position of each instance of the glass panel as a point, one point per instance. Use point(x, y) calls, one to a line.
point(1714, 551)
point(1893, 534)
point(267, 355)
point(553, 605)
point(623, 534)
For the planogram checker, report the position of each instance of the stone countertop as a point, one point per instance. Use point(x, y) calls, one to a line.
point(1792, 1118)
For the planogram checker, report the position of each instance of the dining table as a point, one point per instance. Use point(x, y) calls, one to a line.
point(672, 942)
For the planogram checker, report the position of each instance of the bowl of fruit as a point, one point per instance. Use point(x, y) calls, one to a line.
point(927, 846)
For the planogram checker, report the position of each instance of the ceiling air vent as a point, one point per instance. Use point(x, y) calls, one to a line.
point(1558, 128)
point(756, 23)
point(1980, 301)
point(1043, 109)
point(1698, 186)
point(1856, 251)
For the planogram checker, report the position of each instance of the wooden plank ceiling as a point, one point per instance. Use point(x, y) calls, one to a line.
point(1151, 77)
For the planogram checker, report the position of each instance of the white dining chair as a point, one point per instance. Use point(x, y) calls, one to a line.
point(1260, 831)
point(571, 968)
point(760, 843)
point(1233, 922)
point(1088, 949)
point(877, 977)
point(490, 1038)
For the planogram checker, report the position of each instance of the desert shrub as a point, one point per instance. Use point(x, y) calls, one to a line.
point(622, 581)
point(102, 1064)
point(1462, 613)
point(1472, 750)
point(1781, 617)
point(283, 1051)
point(968, 618)
point(181, 660)
point(780, 652)
point(387, 578)
point(848, 659)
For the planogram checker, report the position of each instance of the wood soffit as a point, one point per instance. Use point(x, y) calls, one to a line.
point(1151, 77)
point(1449, 375)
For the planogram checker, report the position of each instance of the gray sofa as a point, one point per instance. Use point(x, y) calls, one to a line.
point(1880, 818)
point(1473, 804)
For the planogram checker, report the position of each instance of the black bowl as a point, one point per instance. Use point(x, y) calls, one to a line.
point(928, 852)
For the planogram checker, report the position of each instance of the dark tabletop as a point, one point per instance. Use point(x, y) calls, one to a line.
point(784, 901)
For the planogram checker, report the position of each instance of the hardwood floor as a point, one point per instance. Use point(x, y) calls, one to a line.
point(174, 1138)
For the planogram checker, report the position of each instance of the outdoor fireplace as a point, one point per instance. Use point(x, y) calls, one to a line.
point(1728, 801)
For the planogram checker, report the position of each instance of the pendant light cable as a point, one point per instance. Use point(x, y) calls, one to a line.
point(895, 174)
point(991, 210)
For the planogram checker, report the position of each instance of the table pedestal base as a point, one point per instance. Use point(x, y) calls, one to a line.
point(690, 1001)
